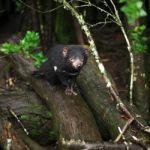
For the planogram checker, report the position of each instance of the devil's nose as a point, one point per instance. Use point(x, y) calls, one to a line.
point(78, 66)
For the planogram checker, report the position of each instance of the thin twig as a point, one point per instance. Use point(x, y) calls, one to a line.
point(102, 10)
point(82, 6)
point(21, 124)
point(98, 23)
point(124, 129)
point(86, 1)
point(129, 50)
point(123, 137)
point(40, 11)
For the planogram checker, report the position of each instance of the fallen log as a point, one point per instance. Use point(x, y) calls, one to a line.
point(71, 115)
point(11, 139)
point(16, 139)
point(107, 113)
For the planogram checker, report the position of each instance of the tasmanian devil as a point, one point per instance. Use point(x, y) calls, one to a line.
point(63, 65)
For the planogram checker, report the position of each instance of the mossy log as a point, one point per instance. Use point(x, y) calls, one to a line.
point(72, 117)
point(94, 89)
point(11, 138)
point(15, 139)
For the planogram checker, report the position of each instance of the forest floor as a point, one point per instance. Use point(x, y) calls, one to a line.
point(109, 41)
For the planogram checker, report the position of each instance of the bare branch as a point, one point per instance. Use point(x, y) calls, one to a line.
point(37, 10)
point(102, 10)
point(81, 6)
point(129, 50)
point(124, 129)
point(99, 23)
point(21, 124)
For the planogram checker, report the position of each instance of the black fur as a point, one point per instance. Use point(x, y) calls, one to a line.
point(58, 68)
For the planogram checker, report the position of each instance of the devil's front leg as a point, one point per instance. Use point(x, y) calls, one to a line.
point(68, 83)
point(72, 85)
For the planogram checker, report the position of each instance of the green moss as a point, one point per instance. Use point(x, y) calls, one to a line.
point(38, 122)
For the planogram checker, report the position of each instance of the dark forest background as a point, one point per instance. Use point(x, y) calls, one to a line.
point(36, 116)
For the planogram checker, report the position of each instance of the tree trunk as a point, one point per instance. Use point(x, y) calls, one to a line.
point(140, 85)
point(47, 23)
point(140, 90)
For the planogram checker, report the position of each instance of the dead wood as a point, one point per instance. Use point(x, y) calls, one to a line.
point(105, 109)
point(77, 145)
point(71, 115)
point(10, 138)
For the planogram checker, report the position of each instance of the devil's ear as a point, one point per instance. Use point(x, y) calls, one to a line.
point(86, 49)
point(65, 51)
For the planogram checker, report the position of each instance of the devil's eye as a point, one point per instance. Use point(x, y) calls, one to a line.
point(71, 59)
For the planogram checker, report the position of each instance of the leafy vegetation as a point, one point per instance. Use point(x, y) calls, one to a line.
point(133, 9)
point(26, 46)
point(139, 41)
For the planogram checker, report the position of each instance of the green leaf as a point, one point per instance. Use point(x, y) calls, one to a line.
point(30, 41)
point(139, 4)
point(139, 40)
point(142, 13)
point(133, 9)
point(8, 48)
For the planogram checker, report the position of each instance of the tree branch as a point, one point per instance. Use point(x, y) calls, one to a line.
point(129, 50)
